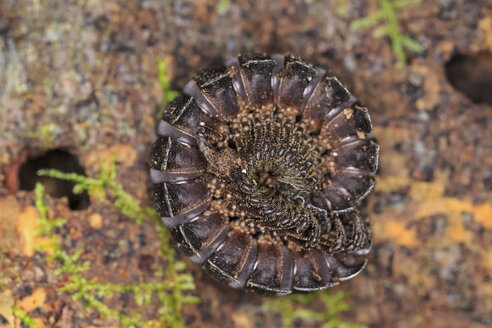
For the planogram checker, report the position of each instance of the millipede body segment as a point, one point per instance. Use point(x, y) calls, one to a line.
point(259, 169)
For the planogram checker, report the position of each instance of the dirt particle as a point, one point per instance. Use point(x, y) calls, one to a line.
point(96, 221)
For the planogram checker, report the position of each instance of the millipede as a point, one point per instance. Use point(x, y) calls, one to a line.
point(260, 168)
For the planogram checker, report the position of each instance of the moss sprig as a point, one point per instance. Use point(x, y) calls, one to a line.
point(293, 308)
point(390, 28)
point(223, 7)
point(25, 318)
point(341, 8)
point(45, 135)
point(102, 186)
point(45, 225)
point(165, 82)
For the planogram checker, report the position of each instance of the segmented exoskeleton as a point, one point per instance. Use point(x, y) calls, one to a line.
point(259, 171)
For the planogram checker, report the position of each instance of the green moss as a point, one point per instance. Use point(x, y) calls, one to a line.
point(46, 226)
point(342, 8)
point(165, 83)
point(390, 28)
point(174, 284)
point(223, 7)
point(45, 135)
point(294, 308)
point(25, 318)
point(104, 185)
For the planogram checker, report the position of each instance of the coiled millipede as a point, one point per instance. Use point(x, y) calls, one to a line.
point(259, 169)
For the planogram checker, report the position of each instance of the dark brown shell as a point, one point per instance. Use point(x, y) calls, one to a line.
point(259, 171)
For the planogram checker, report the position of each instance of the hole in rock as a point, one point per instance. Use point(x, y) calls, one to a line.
point(58, 159)
point(472, 75)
